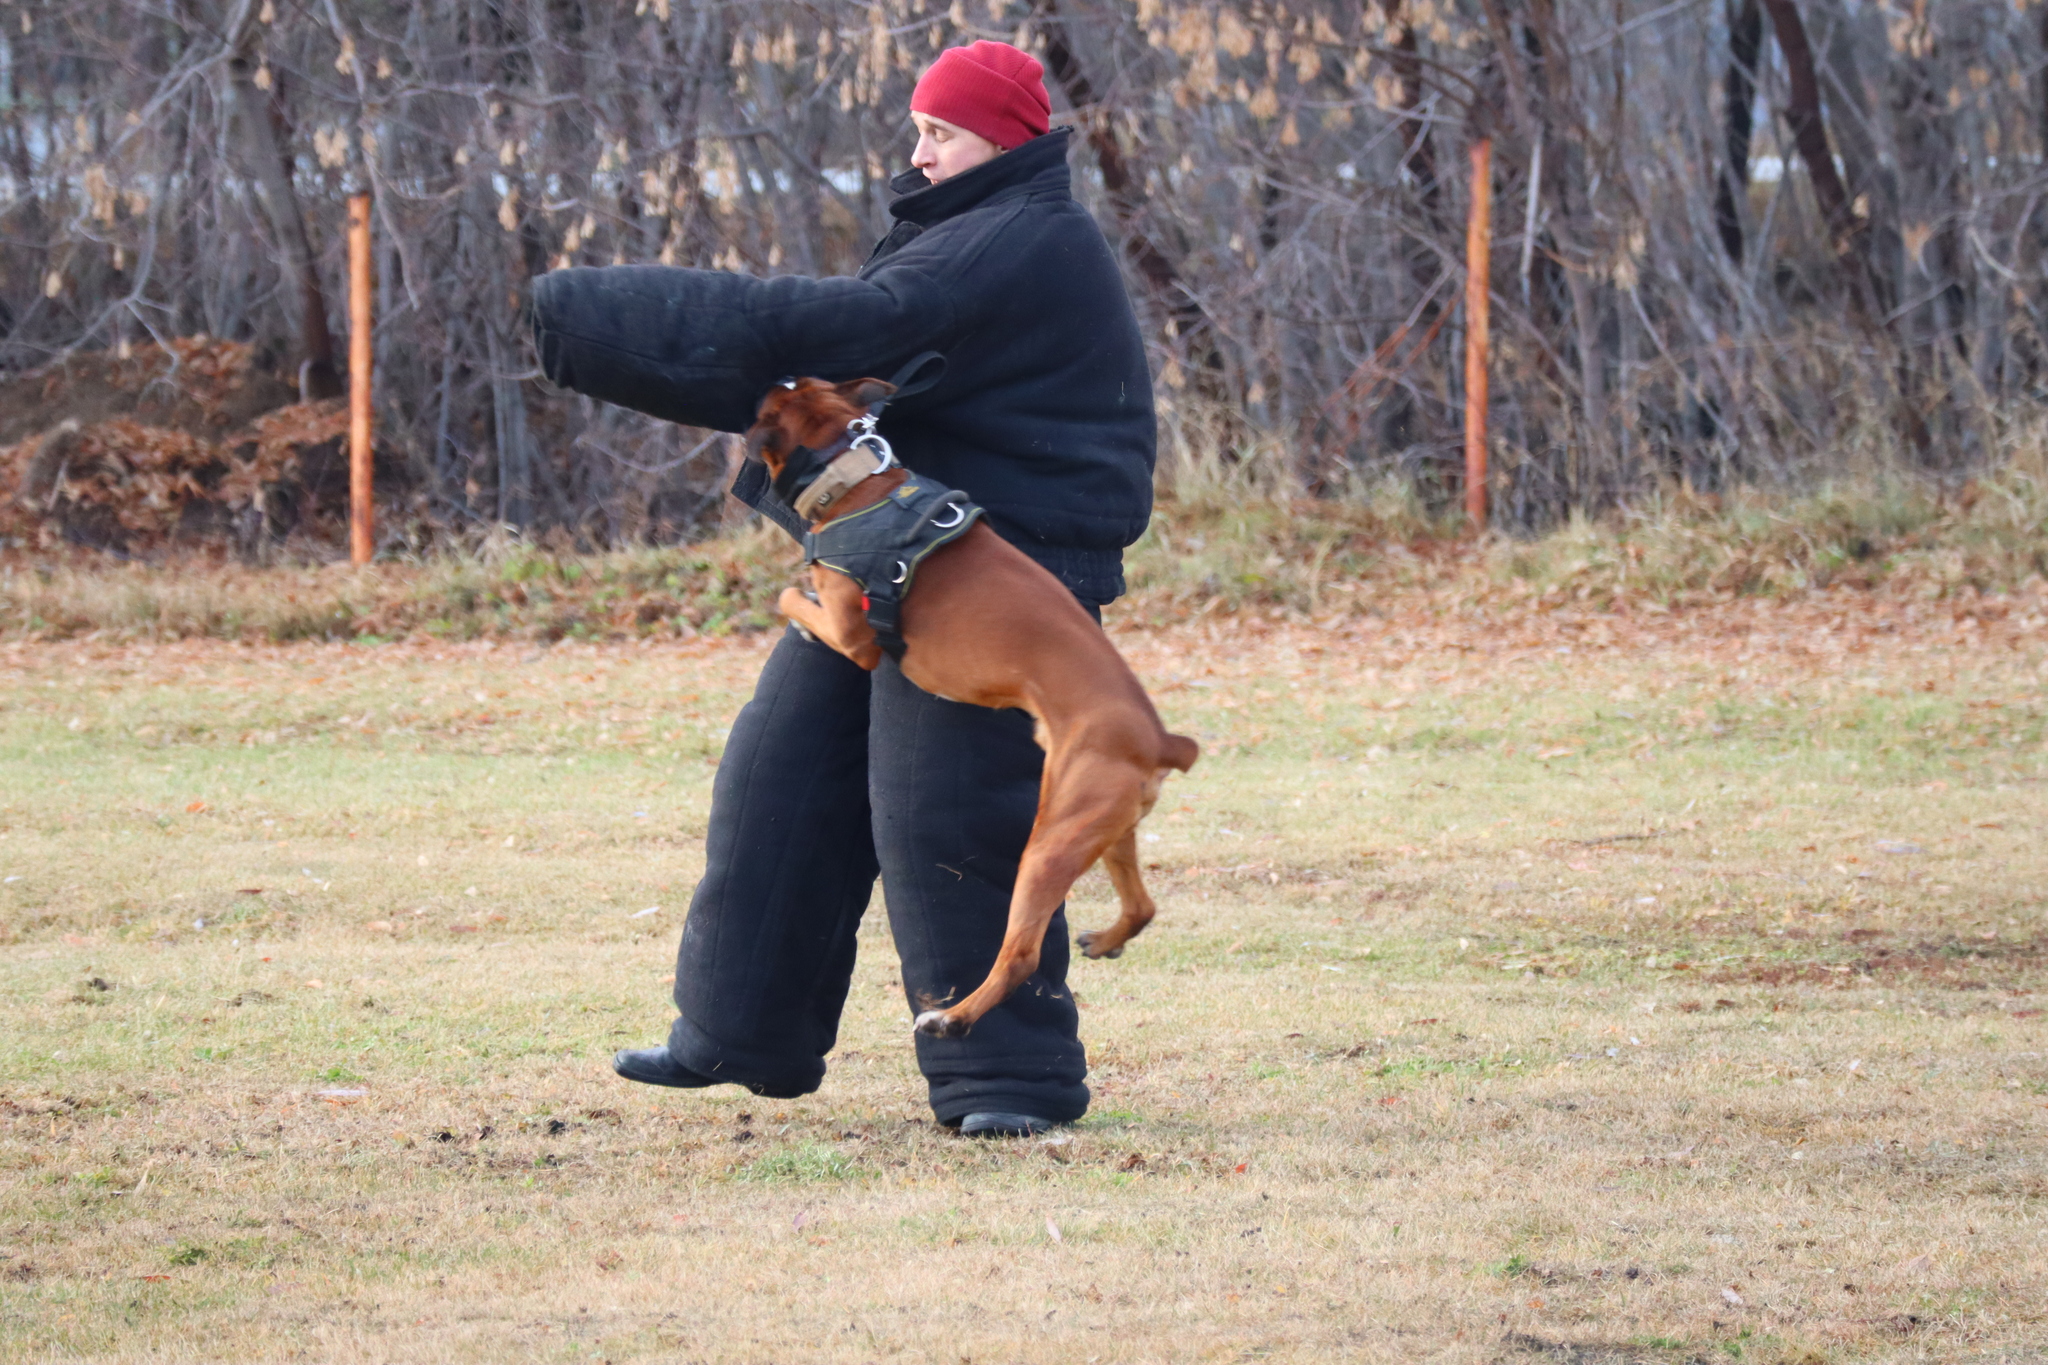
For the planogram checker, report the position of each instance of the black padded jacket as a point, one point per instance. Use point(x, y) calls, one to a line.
point(1043, 415)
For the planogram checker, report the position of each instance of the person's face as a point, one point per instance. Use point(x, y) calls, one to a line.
point(944, 149)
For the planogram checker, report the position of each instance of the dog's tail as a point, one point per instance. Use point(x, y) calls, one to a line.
point(1180, 752)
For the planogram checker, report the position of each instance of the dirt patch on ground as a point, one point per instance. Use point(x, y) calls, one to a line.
point(1952, 963)
point(1527, 1347)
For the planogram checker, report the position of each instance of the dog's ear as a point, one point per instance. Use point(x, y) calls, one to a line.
point(864, 393)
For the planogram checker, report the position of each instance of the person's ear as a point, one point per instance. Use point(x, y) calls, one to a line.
point(864, 393)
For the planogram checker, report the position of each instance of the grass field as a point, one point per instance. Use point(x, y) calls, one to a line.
point(1528, 986)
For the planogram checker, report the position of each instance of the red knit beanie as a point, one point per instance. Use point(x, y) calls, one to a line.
point(988, 88)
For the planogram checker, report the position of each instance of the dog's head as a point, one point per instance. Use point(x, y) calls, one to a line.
point(808, 416)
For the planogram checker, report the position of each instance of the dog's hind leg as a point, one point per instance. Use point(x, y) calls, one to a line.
point(1077, 821)
point(1120, 860)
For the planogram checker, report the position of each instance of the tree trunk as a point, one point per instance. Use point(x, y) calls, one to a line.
point(319, 376)
point(1850, 42)
point(1399, 418)
point(1418, 154)
point(1190, 322)
point(2041, 88)
point(1570, 226)
point(509, 430)
point(1936, 309)
point(1731, 189)
point(1810, 138)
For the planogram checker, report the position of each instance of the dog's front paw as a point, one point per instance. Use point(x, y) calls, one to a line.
point(940, 1024)
point(1086, 941)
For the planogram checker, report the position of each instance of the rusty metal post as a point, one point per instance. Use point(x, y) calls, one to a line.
point(1478, 324)
point(361, 513)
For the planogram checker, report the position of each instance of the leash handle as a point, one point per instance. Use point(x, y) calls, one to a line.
point(920, 372)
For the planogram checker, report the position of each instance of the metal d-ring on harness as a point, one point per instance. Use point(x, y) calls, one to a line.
point(881, 545)
point(943, 518)
point(865, 437)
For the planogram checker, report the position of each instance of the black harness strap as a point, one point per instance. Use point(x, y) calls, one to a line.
point(881, 546)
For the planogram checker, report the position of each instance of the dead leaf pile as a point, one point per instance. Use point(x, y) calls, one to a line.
point(192, 469)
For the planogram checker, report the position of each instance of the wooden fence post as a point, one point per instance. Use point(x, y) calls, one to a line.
point(1478, 322)
point(361, 512)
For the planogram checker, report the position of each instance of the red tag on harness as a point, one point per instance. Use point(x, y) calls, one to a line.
point(864, 602)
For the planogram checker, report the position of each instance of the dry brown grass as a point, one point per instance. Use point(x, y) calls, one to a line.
point(503, 589)
point(1222, 542)
point(1529, 985)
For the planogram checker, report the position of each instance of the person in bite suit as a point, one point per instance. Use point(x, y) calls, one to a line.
point(1043, 415)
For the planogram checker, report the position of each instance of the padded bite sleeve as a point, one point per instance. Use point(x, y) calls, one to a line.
point(700, 347)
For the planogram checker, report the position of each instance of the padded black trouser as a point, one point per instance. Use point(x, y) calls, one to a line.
point(831, 774)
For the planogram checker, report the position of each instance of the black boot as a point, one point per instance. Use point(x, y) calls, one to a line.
point(997, 1125)
point(653, 1066)
point(658, 1066)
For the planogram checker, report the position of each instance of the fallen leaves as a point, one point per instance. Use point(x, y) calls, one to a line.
point(143, 480)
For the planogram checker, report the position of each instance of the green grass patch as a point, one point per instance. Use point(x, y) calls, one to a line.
point(807, 1163)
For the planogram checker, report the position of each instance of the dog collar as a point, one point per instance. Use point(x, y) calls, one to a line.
point(846, 470)
point(802, 466)
point(805, 466)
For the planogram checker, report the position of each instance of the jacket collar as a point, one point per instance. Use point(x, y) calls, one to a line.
point(1038, 166)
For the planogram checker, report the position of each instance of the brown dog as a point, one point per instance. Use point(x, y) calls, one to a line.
point(985, 625)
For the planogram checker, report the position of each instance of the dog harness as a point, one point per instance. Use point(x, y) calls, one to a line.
point(880, 547)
